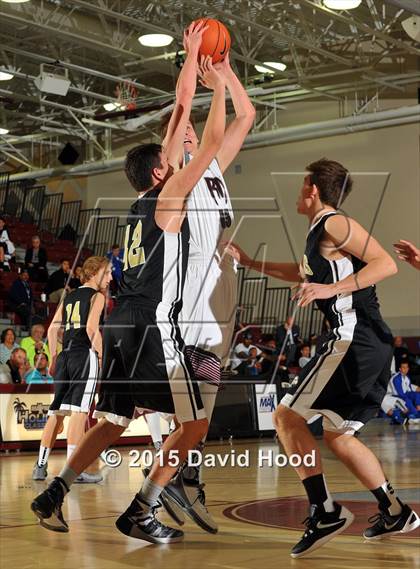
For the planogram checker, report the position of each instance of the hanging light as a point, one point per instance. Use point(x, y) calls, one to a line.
point(5, 76)
point(4, 130)
point(276, 64)
point(155, 40)
point(111, 106)
point(341, 4)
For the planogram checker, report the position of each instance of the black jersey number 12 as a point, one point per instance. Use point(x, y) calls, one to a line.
point(133, 253)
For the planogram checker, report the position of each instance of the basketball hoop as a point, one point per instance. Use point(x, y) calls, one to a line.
point(126, 94)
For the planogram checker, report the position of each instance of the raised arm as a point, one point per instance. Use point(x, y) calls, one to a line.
point(351, 238)
point(173, 142)
point(282, 271)
point(171, 202)
point(92, 326)
point(245, 114)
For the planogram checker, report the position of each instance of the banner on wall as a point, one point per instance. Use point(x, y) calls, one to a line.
point(23, 416)
point(266, 401)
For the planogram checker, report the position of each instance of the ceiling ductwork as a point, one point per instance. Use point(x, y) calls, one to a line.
point(346, 125)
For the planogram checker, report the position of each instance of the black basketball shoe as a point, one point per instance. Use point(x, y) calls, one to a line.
point(385, 525)
point(322, 526)
point(139, 521)
point(47, 506)
point(190, 497)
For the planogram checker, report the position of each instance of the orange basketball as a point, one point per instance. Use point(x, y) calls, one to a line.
point(216, 40)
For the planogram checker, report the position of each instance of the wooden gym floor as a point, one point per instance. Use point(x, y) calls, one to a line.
point(259, 512)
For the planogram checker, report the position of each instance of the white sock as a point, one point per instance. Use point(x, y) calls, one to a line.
point(153, 422)
point(44, 453)
point(70, 450)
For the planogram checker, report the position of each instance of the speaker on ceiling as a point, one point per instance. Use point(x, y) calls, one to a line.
point(68, 155)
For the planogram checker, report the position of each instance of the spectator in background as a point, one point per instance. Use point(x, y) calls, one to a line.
point(20, 297)
point(305, 355)
point(7, 248)
point(34, 344)
point(40, 373)
point(75, 281)
point(57, 282)
point(14, 370)
point(288, 332)
point(269, 355)
point(402, 399)
point(36, 261)
point(313, 342)
point(400, 352)
point(8, 344)
point(241, 354)
point(116, 257)
point(253, 366)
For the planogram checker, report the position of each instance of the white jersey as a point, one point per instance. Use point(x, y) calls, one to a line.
point(209, 299)
point(209, 212)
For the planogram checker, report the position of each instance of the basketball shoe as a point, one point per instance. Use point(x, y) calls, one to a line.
point(139, 521)
point(322, 526)
point(385, 525)
point(47, 506)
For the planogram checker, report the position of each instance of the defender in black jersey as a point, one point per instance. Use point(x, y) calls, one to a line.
point(75, 370)
point(346, 380)
point(144, 366)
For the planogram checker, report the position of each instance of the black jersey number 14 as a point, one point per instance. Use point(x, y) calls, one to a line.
point(133, 253)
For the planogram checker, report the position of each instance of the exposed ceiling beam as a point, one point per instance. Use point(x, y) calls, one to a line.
point(71, 89)
point(412, 6)
point(42, 102)
point(81, 69)
point(276, 33)
point(83, 39)
point(362, 26)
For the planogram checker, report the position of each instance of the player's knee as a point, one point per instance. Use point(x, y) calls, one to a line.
point(285, 419)
point(336, 441)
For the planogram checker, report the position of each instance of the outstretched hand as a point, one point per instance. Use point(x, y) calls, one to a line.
point(209, 77)
point(237, 253)
point(408, 252)
point(223, 67)
point(193, 36)
point(308, 292)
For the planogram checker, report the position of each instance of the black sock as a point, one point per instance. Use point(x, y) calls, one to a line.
point(387, 499)
point(317, 492)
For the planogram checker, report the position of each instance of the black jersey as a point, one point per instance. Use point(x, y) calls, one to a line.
point(76, 308)
point(344, 308)
point(155, 261)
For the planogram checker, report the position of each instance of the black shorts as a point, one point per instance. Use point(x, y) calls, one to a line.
point(144, 367)
point(345, 381)
point(75, 380)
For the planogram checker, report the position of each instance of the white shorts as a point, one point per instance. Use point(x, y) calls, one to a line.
point(207, 317)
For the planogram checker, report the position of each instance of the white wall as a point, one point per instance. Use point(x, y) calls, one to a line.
point(257, 189)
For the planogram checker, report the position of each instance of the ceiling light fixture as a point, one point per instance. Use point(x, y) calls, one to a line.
point(276, 64)
point(341, 4)
point(5, 76)
point(111, 106)
point(155, 40)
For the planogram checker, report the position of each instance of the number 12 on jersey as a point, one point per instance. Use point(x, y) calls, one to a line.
point(133, 253)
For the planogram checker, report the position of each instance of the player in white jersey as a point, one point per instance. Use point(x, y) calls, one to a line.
point(209, 302)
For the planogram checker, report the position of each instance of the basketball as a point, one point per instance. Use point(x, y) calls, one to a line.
point(216, 40)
